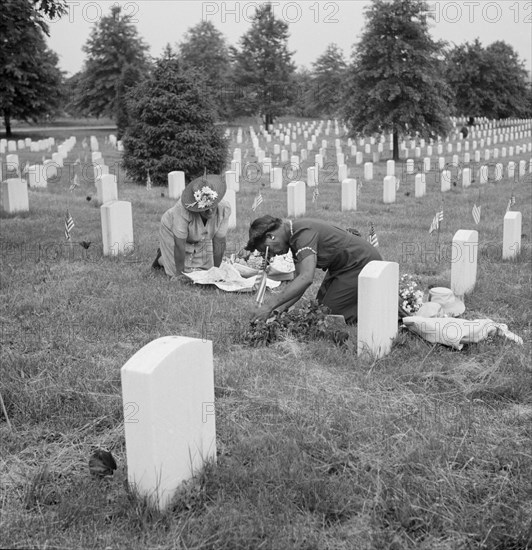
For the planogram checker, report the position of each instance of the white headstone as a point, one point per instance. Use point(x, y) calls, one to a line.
point(296, 198)
point(230, 197)
point(410, 166)
point(342, 172)
point(359, 157)
point(445, 180)
point(117, 227)
point(11, 146)
point(14, 195)
point(388, 189)
point(169, 421)
point(464, 262)
point(176, 184)
point(36, 176)
point(390, 168)
point(106, 188)
point(349, 194)
point(441, 163)
point(378, 301)
point(484, 174)
point(419, 185)
point(276, 178)
point(511, 239)
point(368, 171)
point(50, 169)
point(466, 177)
point(511, 169)
point(230, 180)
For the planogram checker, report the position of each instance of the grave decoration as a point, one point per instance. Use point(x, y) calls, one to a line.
point(410, 295)
point(305, 324)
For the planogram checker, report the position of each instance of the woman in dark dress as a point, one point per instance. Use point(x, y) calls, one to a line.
point(314, 244)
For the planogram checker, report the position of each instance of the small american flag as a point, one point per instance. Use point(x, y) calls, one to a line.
point(373, 240)
point(315, 194)
point(397, 184)
point(74, 183)
point(69, 225)
point(257, 202)
point(26, 168)
point(511, 202)
point(435, 225)
point(148, 182)
point(476, 213)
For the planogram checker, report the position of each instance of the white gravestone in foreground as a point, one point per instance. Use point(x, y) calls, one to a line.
point(378, 301)
point(511, 237)
point(349, 194)
point(445, 180)
point(169, 421)
point(466, 177)
point(176, 184)
point(117, 228)
point(296, 198)
point(36, 176)
point(14, 196)
point(464, 262)
point(106, 188)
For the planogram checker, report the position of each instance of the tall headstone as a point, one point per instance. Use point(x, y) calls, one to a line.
point(388, 189)
point(230, 197)
point(445, 180)
point(378, 304)
point(419, 186)
point(169, 418)
point(390, 168)
point(176, 184)
point(230, 180)
point(106, 189)
point(276, 178)
point(312, 176)
point(484, 174)
point(36, 176)
point(511, 237)
point(466, 177)
point(368, 171)
point(342, 172)
point(117, 228)
point(14, 195)
point(349, 194)
point(464, 262)
point(296, 198)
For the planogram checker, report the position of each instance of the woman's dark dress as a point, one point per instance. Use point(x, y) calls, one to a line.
point(341, 254)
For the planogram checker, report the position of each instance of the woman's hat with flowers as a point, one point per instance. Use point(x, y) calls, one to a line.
point(203, 193)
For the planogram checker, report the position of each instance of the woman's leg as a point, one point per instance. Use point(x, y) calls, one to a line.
point(340, 294)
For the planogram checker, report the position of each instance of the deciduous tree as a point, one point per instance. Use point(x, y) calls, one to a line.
point(487, 82)
point(30, 80)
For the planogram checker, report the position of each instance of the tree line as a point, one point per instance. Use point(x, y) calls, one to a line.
point(398, 79)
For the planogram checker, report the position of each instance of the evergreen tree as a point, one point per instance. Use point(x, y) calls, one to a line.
point(172, 126)
point(328, 75)
point(487, 82)
point(30, 80)
point(204, 49)
point(396, 80)
point(263, 67)
point(113, 48)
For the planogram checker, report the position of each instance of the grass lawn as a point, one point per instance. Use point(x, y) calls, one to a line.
point(317, 449)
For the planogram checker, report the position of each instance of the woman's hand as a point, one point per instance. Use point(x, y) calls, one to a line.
point(244, 254)
point(260, 313)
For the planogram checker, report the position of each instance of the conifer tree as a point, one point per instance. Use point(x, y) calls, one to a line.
point(172, 126)
point(396, 80)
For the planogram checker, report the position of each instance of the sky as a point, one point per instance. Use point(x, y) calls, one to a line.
point(313, 24)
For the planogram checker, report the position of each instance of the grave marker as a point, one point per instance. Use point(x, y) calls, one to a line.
point(349, 194)
point(176, 184)
point(464, 262)
point(117, 227)
point(296, 198)
point(511, 240)
point(14, 195)
point(388, 189)
point(378, 302)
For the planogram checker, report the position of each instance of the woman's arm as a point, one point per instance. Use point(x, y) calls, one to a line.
point(294, 290)
point(218, 250)
point(179, 255)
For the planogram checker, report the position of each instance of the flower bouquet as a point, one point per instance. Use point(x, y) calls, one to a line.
point(410, 295)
